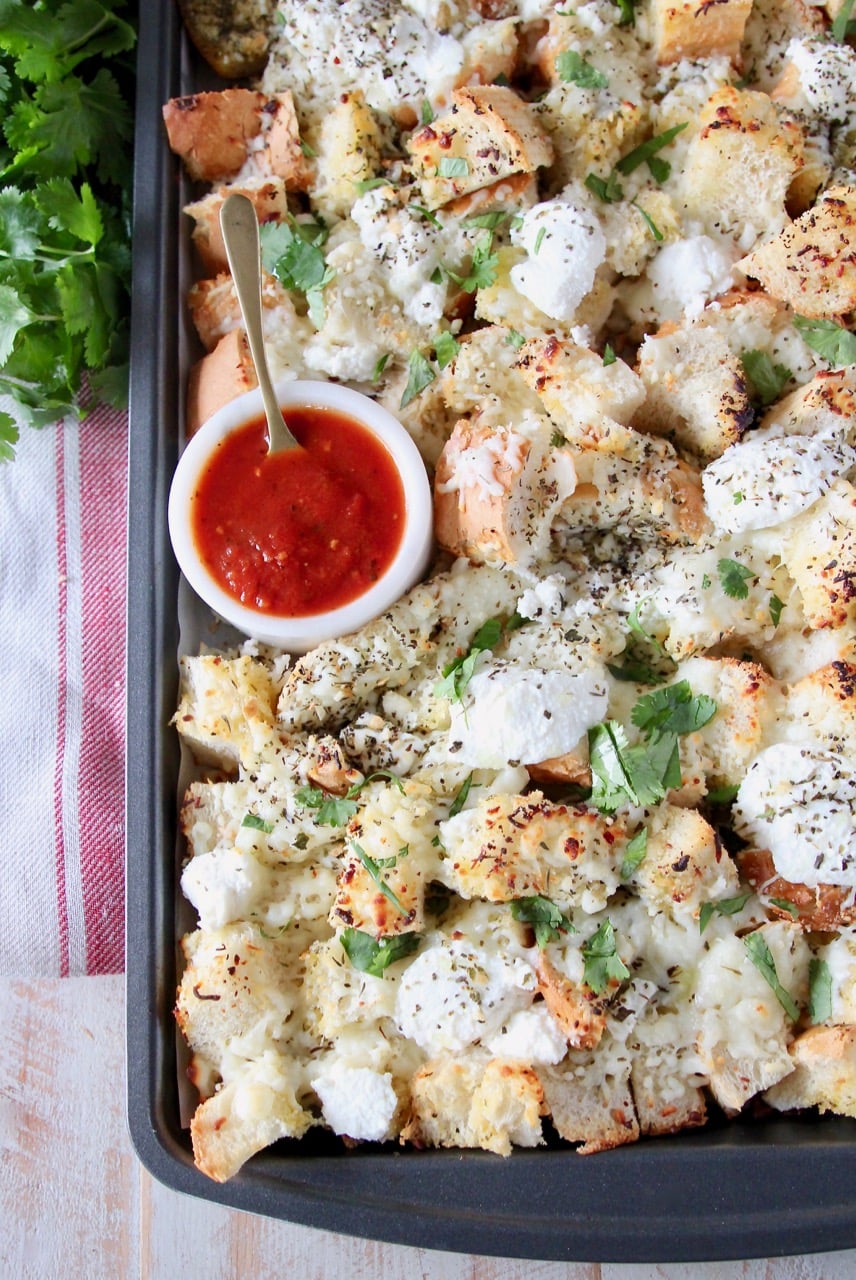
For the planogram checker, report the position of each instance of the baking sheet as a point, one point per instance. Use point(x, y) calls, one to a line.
point(781, 1186)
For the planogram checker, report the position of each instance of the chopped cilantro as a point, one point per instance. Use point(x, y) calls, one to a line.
point(419, 376)
point(255, 823)
point(766, 380)
point(649, 222)
point(722, 795)
point(293, 252)
point(634, 854)
point(445, 348)
point(784, 904)
point(490, 221)
point(452, 167)
point(737, 498)
point(548, 921)
point(336, 811)
point(607, 189)
point(776, 606)
point(819, 991)
point(725, 907)
point(375, 868)
point(309, 152)
point(609, 356)
point(734, 578)
point(557, 440)
point(370, 184)
point(375, 955)
point(426, 214)
point(647, 153)
point(672, 709)
point(705, 582)
point(458, 673)
point(573, 68)
point(383, 361)
point(602, 963)
point(483, 267)
point(515, 339)
point(539, 240)
point(836, 344)
point(842, 26)
point(426, 112)
point(761, 957)
point(626, 12)
point(640, 774)
point(461, 796)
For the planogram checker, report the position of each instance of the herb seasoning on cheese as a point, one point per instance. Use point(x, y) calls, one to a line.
point(569, 830)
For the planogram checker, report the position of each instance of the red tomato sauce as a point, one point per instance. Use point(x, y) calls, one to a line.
point(300, 532)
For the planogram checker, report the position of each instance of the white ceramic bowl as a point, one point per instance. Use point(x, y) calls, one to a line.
point(298, 635)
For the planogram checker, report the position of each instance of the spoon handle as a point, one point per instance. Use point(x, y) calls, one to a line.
point(240, 228)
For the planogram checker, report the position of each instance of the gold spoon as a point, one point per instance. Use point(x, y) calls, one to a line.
point(240, 228)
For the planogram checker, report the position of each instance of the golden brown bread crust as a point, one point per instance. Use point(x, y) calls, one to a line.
point(821, 908)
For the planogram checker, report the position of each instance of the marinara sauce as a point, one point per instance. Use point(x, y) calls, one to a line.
point(304, 531)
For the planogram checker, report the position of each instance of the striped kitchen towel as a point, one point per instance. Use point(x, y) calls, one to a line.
point(62, 705)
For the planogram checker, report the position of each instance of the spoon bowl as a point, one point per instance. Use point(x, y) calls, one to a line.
point(240, 228)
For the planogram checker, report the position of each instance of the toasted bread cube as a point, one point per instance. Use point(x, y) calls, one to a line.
point(489, 133)
point(741, 162)
point(283, 151)
point(819, 552)
point(811, 264)
point(226, 372)
point(698, 29)
point(226, 709)
point(589, 1100)
point(258, 1106)
point(822, 705)
point(748, 706)
point(588, 400)
point(215, 310)
point(824, 1074)
point(211, 132)
point(684, 864)
point(495, 493)
point(491, 1105)
point(347, 147)
point(826, 403)
point(696, 392)
point(578, 1011)
point(818, 907)
point(269, 199)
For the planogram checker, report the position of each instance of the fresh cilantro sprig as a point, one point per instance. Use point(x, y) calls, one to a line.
point(610, 190)
point(66, 90)
point(375, 955)
point(673, 709)
point(602, 964)
point(293, 251)
point(459, 672)
point(337, 811)
point(836, 344)
point(734, 578)
point(819, 991)
point(483, 267)
point(573, 68)
point(761, 957)
point(767, 380)
point(724, 907)
point(547, 920)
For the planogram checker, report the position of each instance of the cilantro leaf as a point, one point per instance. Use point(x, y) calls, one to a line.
point(458, 673)
point(419, 376)
point(819, 991)
point(621, 773)
point(724, 907)
point(649, 222)
point(461, 797)
point(626, 12)
point(836, 344)
point(673, 709)
point(734, 578)
point(602, 964)
point(330, 811)
point(15, 315)
point(374, 868)
point(483, 267)
point(547, 920)
point(646, 153)
point(609, 356)
point(776, 606)
point(785, 905)
point(634, 854)
point(375, 955)
point(255, 823)
point(452, 167)
point(766, 380)
point(573, 68)
point(842, 26)
point(609, 190)
point(446, 347)
point(8, 437)
point(761, 957)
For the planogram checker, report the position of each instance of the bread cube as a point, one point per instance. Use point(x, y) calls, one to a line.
point(347, 146)
point(489, 133)
point(820, 907)
point(740, 163)
point(226, 709)
point(824, 1074)
point(590, 1101)
point(698, 29)
point(211, 132)
point(684, 864)
point(819, 551)
point(491, 1105)
point(270, 201)
point(811, 264)
point(226, 372)
point(578, 1011)
point(696, 391)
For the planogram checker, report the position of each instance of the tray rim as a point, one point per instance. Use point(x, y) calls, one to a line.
point(632, 1205)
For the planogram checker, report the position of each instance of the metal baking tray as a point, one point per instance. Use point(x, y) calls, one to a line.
point(773, 1187)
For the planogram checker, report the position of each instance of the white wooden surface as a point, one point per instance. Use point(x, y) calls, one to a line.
point(75, 1203)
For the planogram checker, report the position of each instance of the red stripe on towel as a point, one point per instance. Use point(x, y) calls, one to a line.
point(59, 757)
